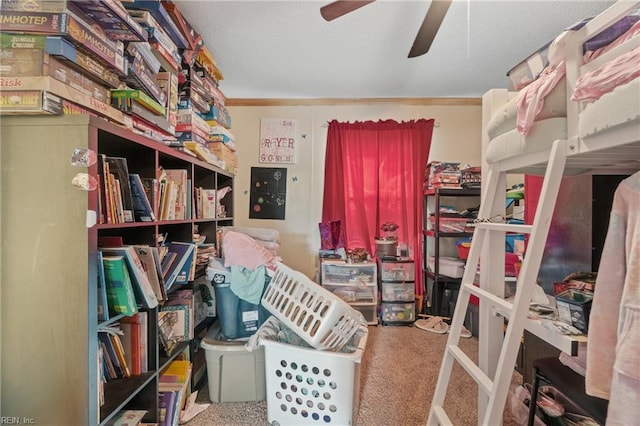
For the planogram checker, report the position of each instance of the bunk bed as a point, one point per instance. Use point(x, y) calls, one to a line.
point(580, 115)
point(587, 97)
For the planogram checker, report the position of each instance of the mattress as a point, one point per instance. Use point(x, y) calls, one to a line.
point(512, 143)
point(504, 120)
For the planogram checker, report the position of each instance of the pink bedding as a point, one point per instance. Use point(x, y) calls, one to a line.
point(589, 87)
point(604, 79)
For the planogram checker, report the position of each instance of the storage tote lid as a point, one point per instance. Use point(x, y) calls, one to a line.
point(214, 340)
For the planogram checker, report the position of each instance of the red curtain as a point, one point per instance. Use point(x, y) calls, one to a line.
point(373, 174)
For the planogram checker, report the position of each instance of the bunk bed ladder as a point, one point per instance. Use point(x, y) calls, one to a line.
point(493, 386)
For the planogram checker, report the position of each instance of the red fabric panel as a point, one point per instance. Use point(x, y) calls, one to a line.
point(532, 189)
point(373, 174)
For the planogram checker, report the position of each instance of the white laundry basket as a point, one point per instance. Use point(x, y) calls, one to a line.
point(307, 386)
point(319, 317)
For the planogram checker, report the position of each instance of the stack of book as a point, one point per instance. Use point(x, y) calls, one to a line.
point(132, 63)
point(441, 174)
point(123, 196)
point(175, 385)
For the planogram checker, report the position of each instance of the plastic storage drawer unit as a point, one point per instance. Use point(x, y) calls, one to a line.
point(234, 373)
point(398, 271)
point(397, 313)
point(397, 292)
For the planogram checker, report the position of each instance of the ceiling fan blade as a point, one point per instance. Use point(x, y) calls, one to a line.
point(339, 8)
point(429, 28)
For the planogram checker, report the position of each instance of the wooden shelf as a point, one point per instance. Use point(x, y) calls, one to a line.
point(51, 268)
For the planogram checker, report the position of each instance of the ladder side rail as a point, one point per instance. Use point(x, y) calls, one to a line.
point(494, 180)
point(526, 282)
point(490, 326)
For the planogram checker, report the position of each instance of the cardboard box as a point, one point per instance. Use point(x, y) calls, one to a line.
point(36, 62)
point(140, 78)
point(83, 34)
point(63, 49)
point(113, 19)
point(50, 6)
point(29, 102)
point(122, 99)
point(34, 22)
point(168, 82)
point(62, 90)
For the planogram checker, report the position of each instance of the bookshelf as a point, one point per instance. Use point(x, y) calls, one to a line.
point(49, 266)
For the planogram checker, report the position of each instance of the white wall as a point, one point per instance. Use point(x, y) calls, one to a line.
point(456, 137)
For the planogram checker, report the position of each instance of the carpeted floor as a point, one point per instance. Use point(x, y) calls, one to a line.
point(398, 376)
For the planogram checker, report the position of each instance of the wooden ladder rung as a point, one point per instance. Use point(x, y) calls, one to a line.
point(496, 301)
point(472, 368)
point(504, 227)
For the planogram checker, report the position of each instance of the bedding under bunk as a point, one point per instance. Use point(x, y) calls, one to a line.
point(588, 97)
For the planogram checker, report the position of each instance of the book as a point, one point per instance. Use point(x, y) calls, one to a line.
point(119, 350)
point(187, 272)
point(166, 405)
point(184, 254)
point(128, 418)
point(132, 344)
point(182, 300)
point(176, 208)
point(141, 284)
point(103, 305)
point(108, 369)
point(177, 375)
point(142, 209)
point(118, 166)
point(120, 295)
point(166, 321)
point(149, 258)
point(208, 203)
point(167, 261)
point(178, 371)
point(105, 206)
point(110, 354)
point(151, 188)
point(178, 318)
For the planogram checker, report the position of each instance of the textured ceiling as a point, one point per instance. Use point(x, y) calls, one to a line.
point(284, 49)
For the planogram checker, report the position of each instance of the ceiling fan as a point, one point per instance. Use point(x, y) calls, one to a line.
point(426, 33)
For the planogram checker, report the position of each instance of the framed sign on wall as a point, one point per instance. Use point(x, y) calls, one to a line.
point(277, 141)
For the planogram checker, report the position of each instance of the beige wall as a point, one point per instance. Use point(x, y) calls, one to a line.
point(456, 137)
